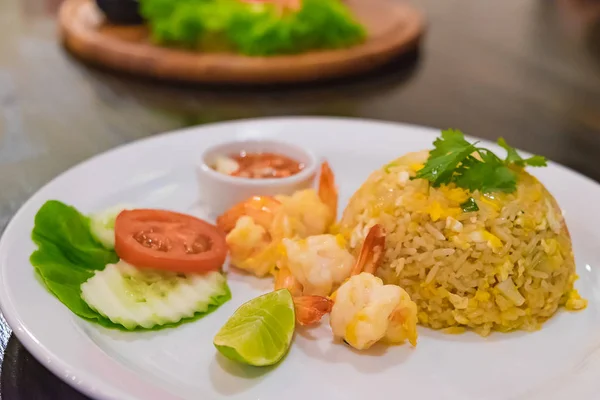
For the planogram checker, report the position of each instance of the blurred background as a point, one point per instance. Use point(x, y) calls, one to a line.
point(525, 69)
point(528, 70)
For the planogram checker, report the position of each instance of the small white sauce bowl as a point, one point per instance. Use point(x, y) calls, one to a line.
point(219, 192)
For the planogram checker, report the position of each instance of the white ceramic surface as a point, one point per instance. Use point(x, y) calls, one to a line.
point(218, 192)
point(560, 361)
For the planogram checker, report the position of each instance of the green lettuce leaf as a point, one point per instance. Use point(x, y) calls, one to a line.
point(254, 29)
point(68, 255)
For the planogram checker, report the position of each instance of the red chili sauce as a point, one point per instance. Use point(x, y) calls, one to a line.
point(265, 165)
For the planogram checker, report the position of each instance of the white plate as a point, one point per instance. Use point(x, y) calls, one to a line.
point(558, 361)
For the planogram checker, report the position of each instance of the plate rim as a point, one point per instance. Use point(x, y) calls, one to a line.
point(53, 362)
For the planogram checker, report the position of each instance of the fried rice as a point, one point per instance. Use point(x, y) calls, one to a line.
point(508, 265)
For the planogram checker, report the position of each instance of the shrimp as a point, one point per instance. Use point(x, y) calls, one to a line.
point(310, 309)
point(328, 191)
point(366, 311)
point(319, 264)
point(363, 311)
point(312, 268)
point(309, 269)
point(308, 212)
point(285, 279)
point(250, 247)
point(371, 251)
point(316, 211)
point(256, 227)
point(261, 209)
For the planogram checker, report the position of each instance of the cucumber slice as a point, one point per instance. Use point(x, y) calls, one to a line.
point(102, 225)
point(135, 298)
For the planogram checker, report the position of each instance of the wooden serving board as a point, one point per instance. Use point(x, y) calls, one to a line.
point(394, 28)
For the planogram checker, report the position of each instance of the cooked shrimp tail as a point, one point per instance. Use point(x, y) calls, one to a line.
point(285, 280)
point(260, 208)
point(328, 191)
point(371, 251)
point(403, 324)
point(310, 309)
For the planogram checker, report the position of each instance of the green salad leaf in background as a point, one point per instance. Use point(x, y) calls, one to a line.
point(68, 255)
point(252, 28)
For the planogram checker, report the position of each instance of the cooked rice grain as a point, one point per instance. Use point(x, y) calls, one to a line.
point(508, 266)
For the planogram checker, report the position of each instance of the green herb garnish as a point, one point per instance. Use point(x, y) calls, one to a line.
point(250, 27)
point(513, 157)
point(470, 205)
point(454, 160)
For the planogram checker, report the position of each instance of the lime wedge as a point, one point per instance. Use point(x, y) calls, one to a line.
point(260, 332)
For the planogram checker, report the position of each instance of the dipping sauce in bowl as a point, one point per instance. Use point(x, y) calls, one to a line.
point(258, 165)
point(231, 172)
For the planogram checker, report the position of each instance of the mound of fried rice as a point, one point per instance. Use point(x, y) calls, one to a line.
point(507, 266)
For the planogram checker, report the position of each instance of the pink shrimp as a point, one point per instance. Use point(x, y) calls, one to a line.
point(313, 305)
point(255, 227)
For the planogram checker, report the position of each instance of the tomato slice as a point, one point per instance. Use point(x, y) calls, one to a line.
point(168, 240)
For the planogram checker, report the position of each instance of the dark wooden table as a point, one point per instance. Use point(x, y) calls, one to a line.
point(528, 70)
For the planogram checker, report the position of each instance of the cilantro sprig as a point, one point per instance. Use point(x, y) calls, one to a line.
point(455, 160)
point(470, 205)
